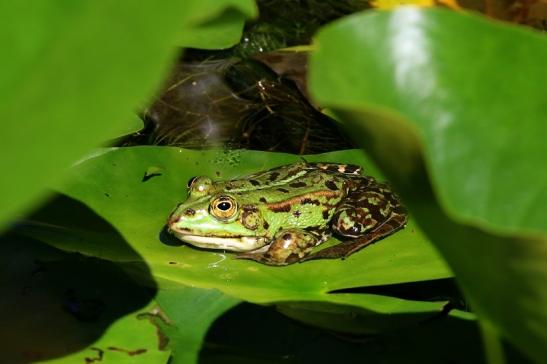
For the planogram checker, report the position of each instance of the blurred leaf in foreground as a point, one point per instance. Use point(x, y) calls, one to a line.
point(73, 79)
point(462, 141)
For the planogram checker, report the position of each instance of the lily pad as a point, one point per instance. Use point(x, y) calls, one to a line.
point(111, 185)
point(138, 210)
point(129, 340)
point(463, 142)
point(116, 207)
point(165, 331)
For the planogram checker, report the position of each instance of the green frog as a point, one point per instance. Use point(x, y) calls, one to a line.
point(278, 216)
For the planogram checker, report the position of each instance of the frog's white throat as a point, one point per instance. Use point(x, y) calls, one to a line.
point(238, 244)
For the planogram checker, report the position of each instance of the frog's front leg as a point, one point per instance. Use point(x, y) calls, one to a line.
point(288, 246)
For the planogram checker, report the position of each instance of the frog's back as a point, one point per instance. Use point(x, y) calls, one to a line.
point(347, 169)
point(291, 179)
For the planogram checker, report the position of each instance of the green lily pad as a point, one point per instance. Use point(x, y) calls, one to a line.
point(165, 331)
point(116, 207)
point(112, 184)
point(360, 313)
point(430, 95)
point(129, 340)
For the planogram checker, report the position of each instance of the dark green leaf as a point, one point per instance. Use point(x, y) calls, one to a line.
point(71, 307)
point(237, 338)
point(190, 312)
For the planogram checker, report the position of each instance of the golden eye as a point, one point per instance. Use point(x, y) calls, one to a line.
point(223, 207)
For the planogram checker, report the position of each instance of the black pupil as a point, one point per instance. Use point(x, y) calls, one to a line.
point(224, 206)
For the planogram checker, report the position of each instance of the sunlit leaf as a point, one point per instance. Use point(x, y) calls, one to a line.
point(138, 209)
point(429, 94)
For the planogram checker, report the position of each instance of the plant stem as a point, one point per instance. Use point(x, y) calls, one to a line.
point(493, 346)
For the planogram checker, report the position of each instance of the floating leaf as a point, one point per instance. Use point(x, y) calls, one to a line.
point(111, 185)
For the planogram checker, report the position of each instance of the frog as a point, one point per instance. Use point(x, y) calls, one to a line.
point(277, 217)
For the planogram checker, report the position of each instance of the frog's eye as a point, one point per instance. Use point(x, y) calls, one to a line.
point(199, 186)
point(190, 182)
point(223, 207)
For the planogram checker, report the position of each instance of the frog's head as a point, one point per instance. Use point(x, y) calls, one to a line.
point(215, 220)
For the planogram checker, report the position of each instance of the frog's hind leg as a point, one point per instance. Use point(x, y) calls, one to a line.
point(347, 248)
point(367, 216)
point(289, 246)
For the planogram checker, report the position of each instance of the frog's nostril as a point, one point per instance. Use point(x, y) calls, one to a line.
point(190, 212)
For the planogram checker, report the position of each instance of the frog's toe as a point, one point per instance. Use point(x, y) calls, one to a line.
point(333, 252)
point(342, 250)
point(256, 255)
point(262, 257)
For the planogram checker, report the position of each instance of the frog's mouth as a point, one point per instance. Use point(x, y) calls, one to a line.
point(233, 243)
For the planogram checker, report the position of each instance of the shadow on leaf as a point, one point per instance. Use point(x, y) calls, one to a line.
point(58, 302)
point(257, 334)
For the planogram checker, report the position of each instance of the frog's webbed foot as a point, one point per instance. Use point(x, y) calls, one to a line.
point(347, 248)
point(342, 250)
point(288, 247)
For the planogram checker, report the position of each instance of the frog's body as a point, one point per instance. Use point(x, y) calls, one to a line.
point(276, 217)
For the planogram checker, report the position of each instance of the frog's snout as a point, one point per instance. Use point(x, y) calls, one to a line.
point(172, 219)
point(176, 216)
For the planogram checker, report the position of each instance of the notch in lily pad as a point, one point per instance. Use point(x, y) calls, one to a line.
point(151, 172)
